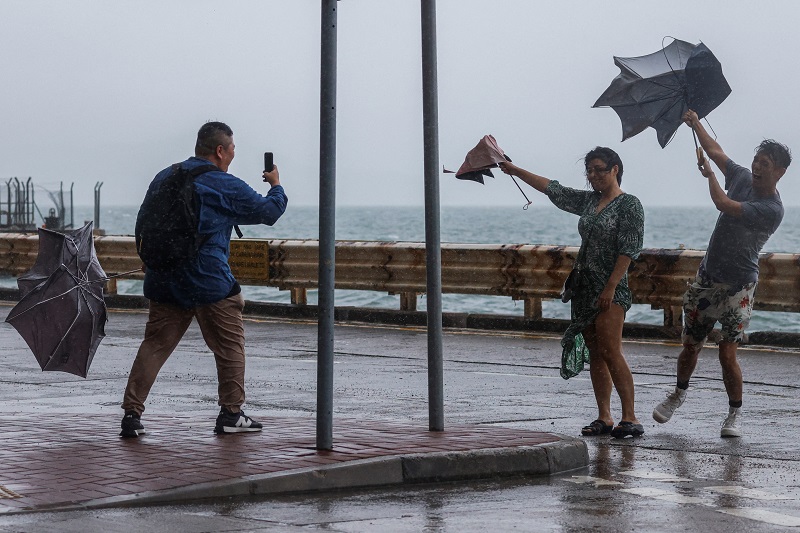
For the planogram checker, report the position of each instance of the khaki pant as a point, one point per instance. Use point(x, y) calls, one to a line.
point(223, 331)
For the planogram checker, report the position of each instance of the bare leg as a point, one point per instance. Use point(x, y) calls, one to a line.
point(731, 372)
point(601, 378)
point(608, 329)
point(687, 361)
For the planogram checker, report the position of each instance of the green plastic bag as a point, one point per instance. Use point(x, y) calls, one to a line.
point(574, 356)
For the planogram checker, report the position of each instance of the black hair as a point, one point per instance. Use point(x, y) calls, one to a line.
point(777, 152)
point(607, 156)
point(211, 135)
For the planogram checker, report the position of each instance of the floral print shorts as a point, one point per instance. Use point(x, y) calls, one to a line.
point(705, 303)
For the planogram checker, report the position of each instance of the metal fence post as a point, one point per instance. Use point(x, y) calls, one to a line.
point(97, 187)
point(327, 225)
point(433, 255)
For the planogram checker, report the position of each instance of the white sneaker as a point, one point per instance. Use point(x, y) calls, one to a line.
point(731, 426)
point(663, 411)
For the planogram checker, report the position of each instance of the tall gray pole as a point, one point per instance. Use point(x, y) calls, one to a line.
point(327, 226)
point(433, 257)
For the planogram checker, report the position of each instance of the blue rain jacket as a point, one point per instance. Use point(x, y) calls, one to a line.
point(225, 201)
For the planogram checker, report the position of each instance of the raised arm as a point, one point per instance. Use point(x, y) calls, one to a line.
point(721, 200)
point(539, 183)
point(712, 147)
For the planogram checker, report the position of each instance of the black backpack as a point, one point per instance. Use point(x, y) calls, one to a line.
point(166, 232)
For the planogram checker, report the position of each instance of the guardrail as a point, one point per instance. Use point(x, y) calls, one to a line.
point(530, 273)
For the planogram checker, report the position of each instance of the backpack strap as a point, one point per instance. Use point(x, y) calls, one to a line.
point(194, 173)
point(198, 171)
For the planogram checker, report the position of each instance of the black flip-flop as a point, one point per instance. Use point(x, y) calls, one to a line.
point(598, 427)
point(627, 430)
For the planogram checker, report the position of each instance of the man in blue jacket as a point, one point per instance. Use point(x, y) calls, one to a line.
point(204, 287)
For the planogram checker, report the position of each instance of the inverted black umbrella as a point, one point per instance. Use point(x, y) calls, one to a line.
point(657, 89)
point(480, 160)
point(61, 313)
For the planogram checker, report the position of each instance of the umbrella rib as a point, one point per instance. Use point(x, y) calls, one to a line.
point(37, 304)
point(660, 116)
point(654, 99)
point(662, 85)
point(63, 337)
point(84, 290)
point(82, 296)
point(79, 285)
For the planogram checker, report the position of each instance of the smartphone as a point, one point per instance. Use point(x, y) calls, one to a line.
point(268, 164)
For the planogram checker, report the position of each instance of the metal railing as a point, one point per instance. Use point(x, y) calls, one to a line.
point(530, 273)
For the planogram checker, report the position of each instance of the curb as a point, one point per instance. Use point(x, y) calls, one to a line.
point(570, 453)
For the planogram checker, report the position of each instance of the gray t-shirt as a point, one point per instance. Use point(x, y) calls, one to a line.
point(732, 255)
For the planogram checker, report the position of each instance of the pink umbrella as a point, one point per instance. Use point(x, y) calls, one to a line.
point(486, 155)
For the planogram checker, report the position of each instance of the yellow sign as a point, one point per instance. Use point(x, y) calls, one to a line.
point(249, 260)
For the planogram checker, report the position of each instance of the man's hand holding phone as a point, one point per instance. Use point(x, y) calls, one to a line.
point(271, 175)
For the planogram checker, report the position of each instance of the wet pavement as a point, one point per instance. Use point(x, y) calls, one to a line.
point(72, 457)
point(88, 466)
point(678, 474)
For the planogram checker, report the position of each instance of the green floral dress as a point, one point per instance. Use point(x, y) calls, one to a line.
point(616, 230)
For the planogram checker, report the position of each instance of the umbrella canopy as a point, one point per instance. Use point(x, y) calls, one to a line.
point(61, 313)
point(657, 89)
point(480, 159)
point(486, 154)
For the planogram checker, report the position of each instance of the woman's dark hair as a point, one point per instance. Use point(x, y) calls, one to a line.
point(607, 156)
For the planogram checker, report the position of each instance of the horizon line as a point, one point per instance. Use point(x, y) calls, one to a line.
point(469, 206)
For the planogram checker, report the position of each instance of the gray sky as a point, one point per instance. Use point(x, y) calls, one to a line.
point(114, 91)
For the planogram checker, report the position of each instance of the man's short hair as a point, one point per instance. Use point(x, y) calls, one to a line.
point(211, 135)
point(779, 153)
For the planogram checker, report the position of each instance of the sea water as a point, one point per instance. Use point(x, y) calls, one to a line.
point(665, 227)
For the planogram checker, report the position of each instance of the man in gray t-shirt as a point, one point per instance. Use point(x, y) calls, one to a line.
point(725, 285)
point(732, 255)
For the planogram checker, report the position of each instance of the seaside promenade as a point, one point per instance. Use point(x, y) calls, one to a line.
point(507, 414)
point(61, 449)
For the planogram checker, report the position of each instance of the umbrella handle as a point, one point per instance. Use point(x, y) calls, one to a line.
point(524, 207)
point(701, 158)
point(116, 276)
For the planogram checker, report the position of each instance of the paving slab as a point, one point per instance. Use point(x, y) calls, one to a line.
point(67, 461)
point(60, 449)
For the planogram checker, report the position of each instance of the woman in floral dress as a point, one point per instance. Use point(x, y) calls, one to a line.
point(611, 226)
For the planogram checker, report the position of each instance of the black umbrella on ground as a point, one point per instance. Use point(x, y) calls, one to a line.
point(657, 89)
point(61, 313)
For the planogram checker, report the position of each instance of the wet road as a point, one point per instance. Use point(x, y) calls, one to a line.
point(678, 477)
point(628, 488)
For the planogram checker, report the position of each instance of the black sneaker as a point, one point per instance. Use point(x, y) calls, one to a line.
point(228, 422)
point(131, 425)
